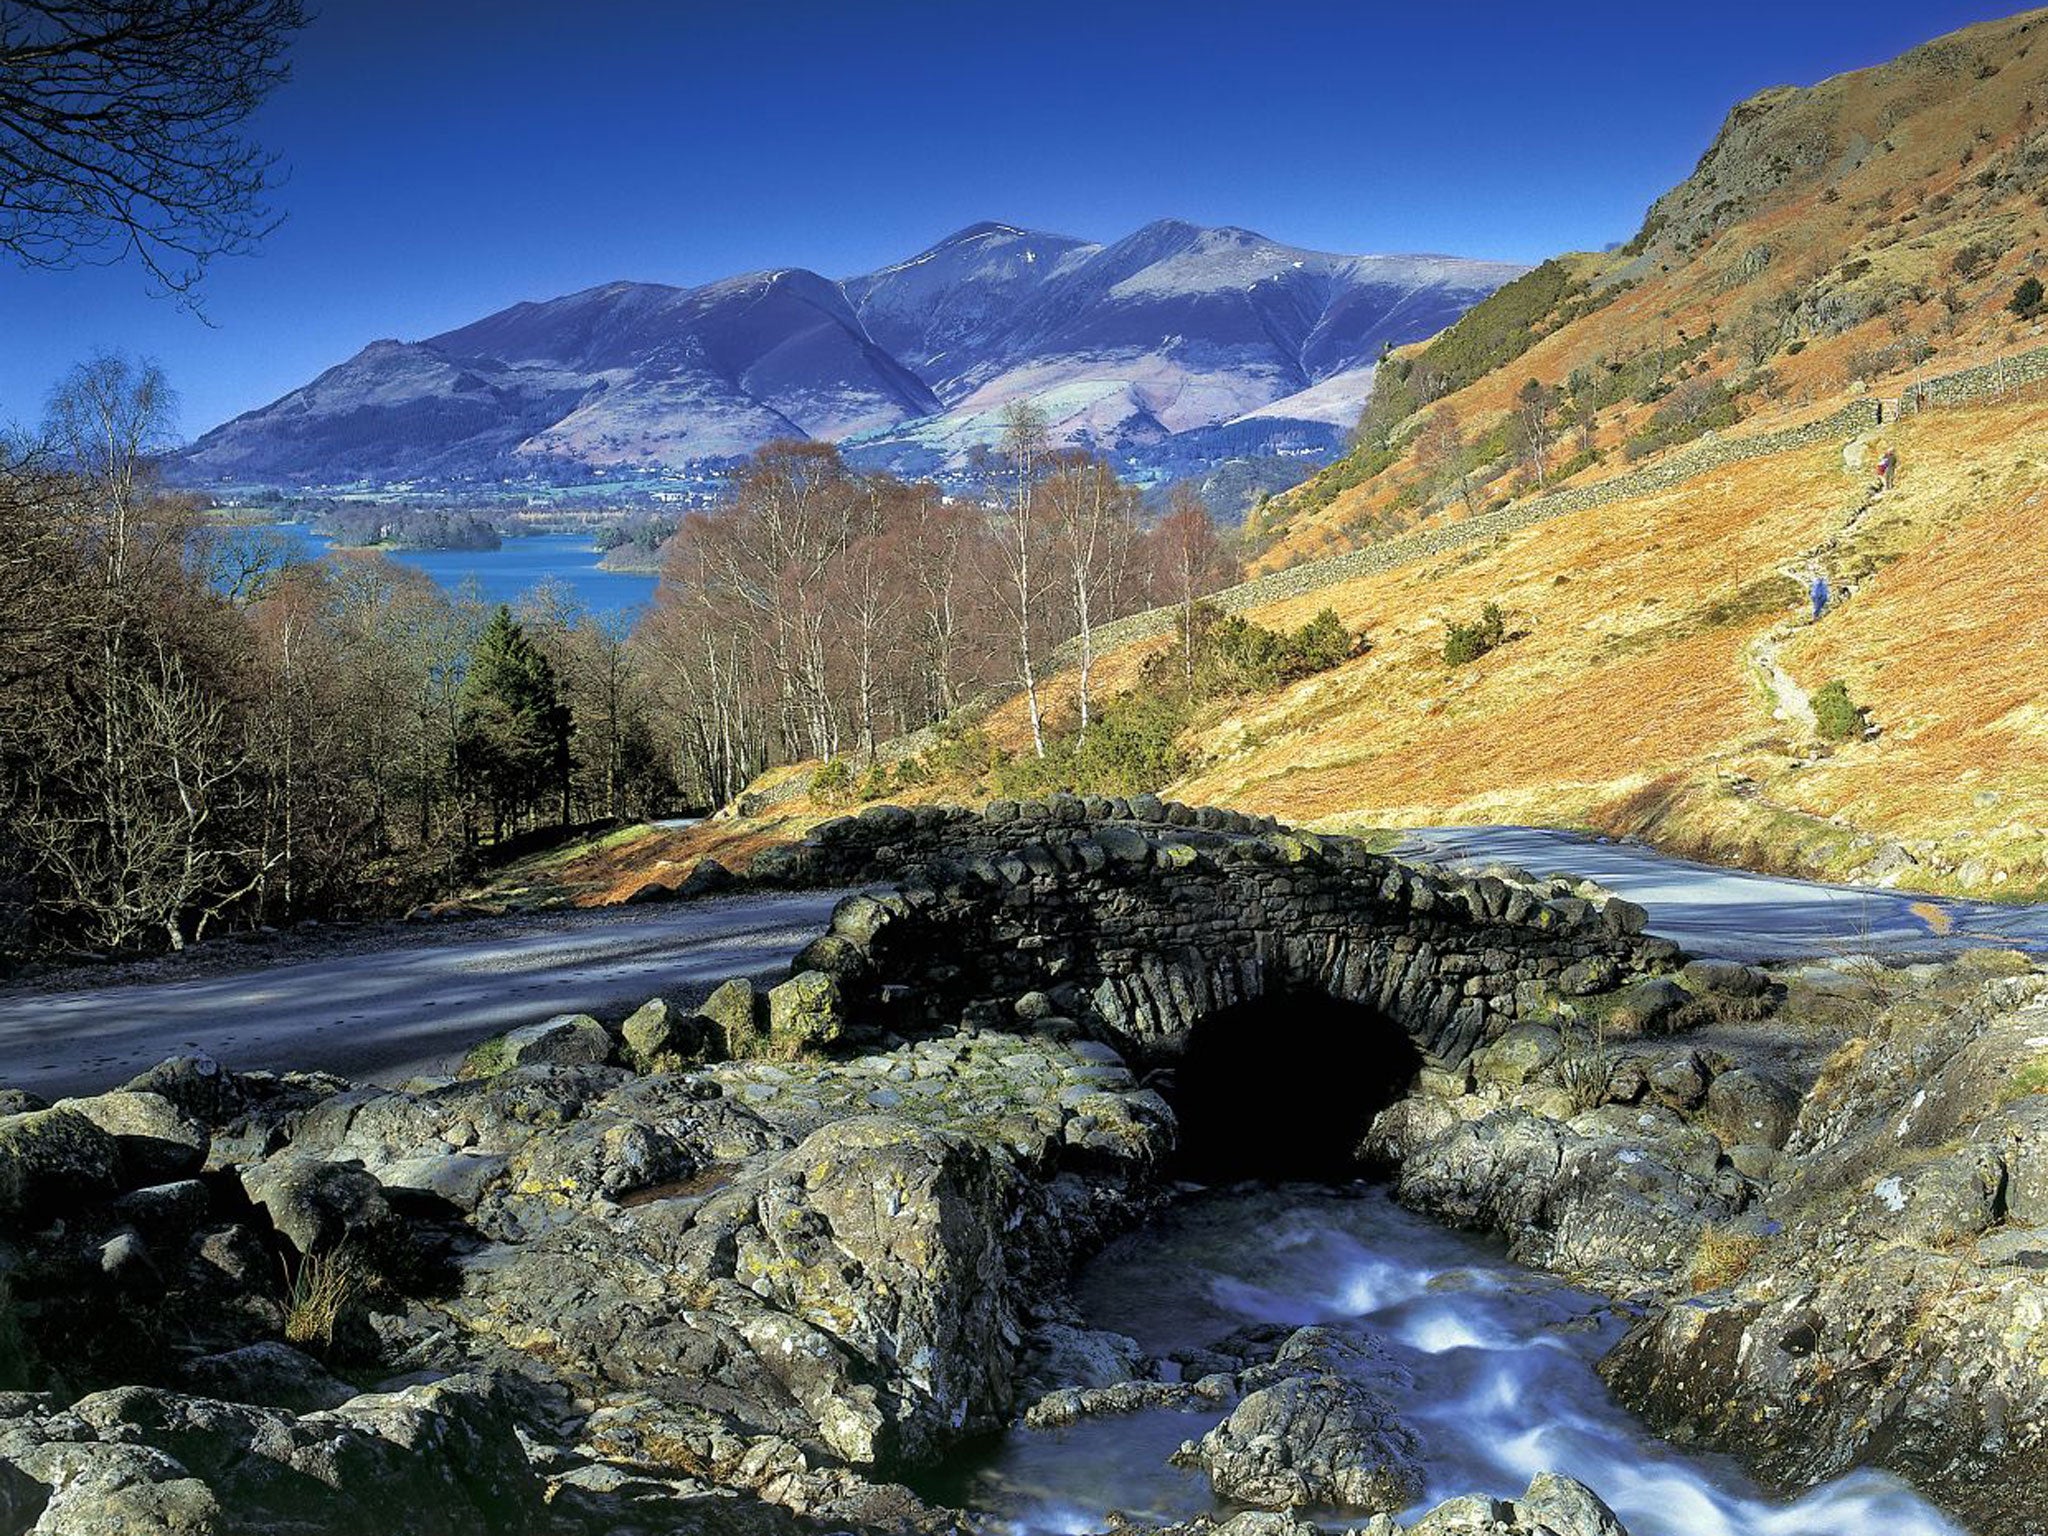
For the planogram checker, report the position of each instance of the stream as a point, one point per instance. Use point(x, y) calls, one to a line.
point(1495, 1373)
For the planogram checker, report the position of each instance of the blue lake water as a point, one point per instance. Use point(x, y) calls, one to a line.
point(515, 568)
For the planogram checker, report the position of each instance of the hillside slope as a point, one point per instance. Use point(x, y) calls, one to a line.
point(1855, 235)
point(1663, 674)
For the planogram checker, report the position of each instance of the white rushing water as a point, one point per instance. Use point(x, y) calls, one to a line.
point(1495, 1373)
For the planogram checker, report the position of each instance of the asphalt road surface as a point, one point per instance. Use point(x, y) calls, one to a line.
point(1733, 914)
point(410, 1005)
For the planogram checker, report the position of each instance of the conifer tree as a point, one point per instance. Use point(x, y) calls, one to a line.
point(513, 741)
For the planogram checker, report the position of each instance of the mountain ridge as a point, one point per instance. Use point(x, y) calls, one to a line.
point(1174, 329)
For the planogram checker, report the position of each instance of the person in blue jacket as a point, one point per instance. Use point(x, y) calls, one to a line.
point(1820, 596)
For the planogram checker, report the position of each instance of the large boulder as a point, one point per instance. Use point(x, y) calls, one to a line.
point(318, 1206)
point(804, 1013)
point(269, 1374)
point(53, 1159)
point(198, 1085)
point(659, 1038)
point(159, 1142)
point(895, 1234)
point(733, 1014)
point(566, 1040)
point(1753, 1107)
point(1314, 1438)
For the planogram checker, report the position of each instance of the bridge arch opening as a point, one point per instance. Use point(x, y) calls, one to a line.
point(1284, 1087)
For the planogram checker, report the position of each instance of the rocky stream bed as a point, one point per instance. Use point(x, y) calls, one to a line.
point(784, 1264)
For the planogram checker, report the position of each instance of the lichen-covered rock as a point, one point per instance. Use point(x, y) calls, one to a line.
point(659, 1038)
point(158, 1141)
point(1646, 1006)
point(733, 1014)
point(53, 1159)
point(1517, 1056)
point(1314, 1439)
point(566, 1040)
point(804, 1013)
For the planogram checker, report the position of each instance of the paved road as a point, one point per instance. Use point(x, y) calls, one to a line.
point(386, 1013)
point(1741, 916)
point(394, 1007)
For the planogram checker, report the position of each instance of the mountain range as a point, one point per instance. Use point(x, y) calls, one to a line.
point(1175, 347)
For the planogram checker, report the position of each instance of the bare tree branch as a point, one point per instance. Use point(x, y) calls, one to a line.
point(120, 130)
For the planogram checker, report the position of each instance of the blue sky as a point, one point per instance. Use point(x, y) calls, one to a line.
point(449, 157)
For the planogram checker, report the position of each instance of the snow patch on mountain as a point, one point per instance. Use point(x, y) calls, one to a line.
point(1175, 332)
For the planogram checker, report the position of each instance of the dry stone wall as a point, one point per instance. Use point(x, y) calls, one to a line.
point(1138, 919)
point(1990, 381)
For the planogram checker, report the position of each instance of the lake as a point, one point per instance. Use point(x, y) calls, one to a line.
point(515, 568)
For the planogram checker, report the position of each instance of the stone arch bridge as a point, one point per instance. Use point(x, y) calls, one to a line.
point(1139, 919)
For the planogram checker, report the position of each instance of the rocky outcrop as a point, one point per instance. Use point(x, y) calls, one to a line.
point(1891, 1308)
point(775, 1279)
point(1594, 1158)
point(439, 1459)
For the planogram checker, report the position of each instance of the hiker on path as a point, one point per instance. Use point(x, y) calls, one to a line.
point(1886, 467)
point(1820, 596)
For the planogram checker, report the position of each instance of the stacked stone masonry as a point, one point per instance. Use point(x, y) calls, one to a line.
point(1139, 918)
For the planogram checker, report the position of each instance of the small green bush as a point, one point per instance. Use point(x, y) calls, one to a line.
point(1469, 642)
point(1840, 718)
point(833, 782)
point(874, 783)
point(2027, 301)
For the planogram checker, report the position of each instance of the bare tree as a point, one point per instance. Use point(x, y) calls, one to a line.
point(1024, 452)
point(1440, 455)
point(1195, 561)
point(1535, 401)
point(120, 130)
point(141, 836)
point(1092, 516)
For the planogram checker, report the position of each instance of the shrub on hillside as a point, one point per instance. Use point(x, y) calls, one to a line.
point(1230, 656)
point(1132, 745)
point(2027, 301)
point(833, 782)
point(1839, 717)
point(1469, 642)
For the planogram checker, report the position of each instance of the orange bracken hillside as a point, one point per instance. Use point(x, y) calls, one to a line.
point(1860, 233)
